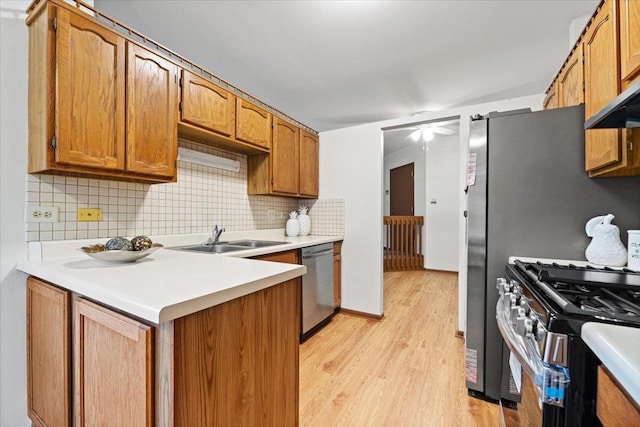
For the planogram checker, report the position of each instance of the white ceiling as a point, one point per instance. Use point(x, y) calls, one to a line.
point(333, 64)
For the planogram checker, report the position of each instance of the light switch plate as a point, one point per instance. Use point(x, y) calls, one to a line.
point(89, 214)
point(41, 213)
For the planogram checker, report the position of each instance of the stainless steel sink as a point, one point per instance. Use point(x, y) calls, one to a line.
point(255, 243)
point(220, 248)
point(225, 247)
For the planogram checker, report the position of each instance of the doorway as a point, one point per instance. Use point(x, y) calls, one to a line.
point(401, 190)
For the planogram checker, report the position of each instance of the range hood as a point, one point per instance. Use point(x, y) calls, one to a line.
point(622, 112)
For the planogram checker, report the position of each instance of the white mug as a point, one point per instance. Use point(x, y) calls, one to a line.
point(633, 254)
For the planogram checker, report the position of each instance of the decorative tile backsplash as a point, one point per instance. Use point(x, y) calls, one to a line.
point(327, 216)
point(202, 197)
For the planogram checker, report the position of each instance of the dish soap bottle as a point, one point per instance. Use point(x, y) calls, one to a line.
point(605, 248)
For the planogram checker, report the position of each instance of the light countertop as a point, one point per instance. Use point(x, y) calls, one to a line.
point(618, 347)
point(167, 284)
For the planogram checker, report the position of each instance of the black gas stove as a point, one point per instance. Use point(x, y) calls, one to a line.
point(599, 293)
point(542, 309)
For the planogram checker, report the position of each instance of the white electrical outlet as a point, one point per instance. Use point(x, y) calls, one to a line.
point(271, 213)
point(41, 214)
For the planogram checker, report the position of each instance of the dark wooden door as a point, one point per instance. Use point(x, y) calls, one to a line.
point(401, 189)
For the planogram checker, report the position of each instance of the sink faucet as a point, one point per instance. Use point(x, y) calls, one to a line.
point(215, 234)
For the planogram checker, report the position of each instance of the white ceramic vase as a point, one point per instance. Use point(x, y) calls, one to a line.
point(305, 221)
point(292, 227)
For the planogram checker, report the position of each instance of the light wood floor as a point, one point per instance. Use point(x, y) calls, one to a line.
point(406, 370)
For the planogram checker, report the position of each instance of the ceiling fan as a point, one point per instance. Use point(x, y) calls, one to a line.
point(425, 132)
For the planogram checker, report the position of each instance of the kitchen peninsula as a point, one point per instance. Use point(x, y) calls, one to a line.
point(191, 338)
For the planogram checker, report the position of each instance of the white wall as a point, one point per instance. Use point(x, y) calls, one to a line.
point(351, 168)
point(13, 167)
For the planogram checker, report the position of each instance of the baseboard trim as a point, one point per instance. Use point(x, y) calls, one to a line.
point(361, 314)
point(459, 334)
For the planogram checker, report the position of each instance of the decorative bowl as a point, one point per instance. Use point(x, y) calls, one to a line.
point(119, 256)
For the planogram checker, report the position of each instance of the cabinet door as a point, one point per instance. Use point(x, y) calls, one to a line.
point(337, 274)
point(602, 84)
point(207, 106)
point(629, 40)
point(114, 368)
point(551, 100)
point(309, 154)
point(48, 354)
point(247, 361)
point(253, 124)
point(285, 157)
point(613, 406)
point(90, 121)
point(152, 121)
point(571, 80)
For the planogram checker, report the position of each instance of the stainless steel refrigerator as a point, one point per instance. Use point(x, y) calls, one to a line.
point(528, 196)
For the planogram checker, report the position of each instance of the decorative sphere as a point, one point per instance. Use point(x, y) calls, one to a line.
point(141, 243)
point(119, 243)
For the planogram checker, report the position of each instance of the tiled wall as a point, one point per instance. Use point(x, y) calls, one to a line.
point(327, 216)
point(202, 197)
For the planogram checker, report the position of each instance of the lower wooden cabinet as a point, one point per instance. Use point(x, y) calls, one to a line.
point(112, 363)
point(48, 354)
point(234, 364)
point(613, 406)
point(287, 257)
point(113, 368)
point(337, 274)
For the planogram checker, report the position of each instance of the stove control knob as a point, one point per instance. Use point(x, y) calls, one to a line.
point(501, 285)
point(514, 285)
point(524, 326)
point(516, 313)
point(540, 332)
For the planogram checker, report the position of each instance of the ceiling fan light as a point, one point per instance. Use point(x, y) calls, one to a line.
point(415, 135)
point(427, 134)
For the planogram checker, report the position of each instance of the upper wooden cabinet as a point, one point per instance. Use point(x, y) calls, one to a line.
point(285, 157)
point(103, 103)
point(292, 167)
point(602, 84)
point(629, 11)
point(309, 164)
point(152, 108)
point(551, 99)
point(90, 102)
point(604, 62)
point(85, 83)
point(253, 124)
point(571, 80)
point(207, 105)
point(568, 88)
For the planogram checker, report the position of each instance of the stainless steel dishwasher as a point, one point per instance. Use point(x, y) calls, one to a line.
point(317, 288)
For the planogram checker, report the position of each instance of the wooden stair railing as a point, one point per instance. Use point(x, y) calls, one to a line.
point(403, 249)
